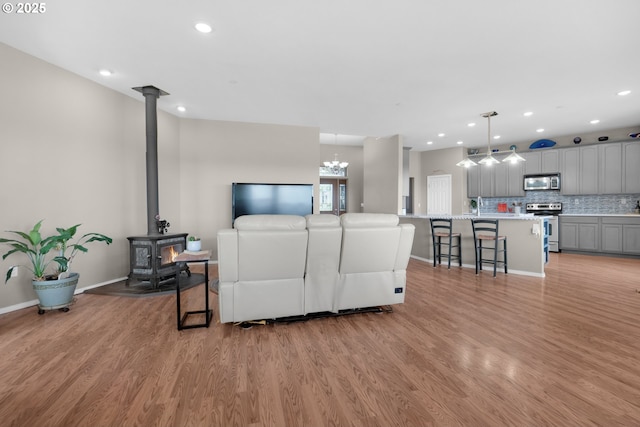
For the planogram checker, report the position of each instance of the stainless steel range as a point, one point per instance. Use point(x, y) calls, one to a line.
point(551, 210)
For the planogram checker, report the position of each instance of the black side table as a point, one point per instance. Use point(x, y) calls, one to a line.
point(182, 318)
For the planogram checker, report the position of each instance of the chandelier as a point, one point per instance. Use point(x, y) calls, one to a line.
point(489, 160)
point(336, 165)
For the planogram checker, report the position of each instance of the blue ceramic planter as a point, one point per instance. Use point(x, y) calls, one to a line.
point(54, 294)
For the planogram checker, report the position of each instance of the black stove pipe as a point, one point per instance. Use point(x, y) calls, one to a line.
point(151, 94)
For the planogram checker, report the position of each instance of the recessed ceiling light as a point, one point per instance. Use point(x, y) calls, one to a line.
point(539, 130)
point(471, 124)
point(496, 137)
point(429, 142)
point(441, 135)
point(203, 28)
point(624, 92)
point(181, 108)
point(593, 122)
point(105, 72)
point(528, 113)
point(459, 142)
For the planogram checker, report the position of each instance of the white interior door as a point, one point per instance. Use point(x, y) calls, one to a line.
point(439, 195)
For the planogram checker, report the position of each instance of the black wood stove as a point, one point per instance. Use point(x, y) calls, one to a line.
point(152, 256)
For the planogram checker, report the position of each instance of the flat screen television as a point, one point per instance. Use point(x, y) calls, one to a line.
point(280, 199)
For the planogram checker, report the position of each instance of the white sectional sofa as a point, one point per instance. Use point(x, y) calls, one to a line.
point(274, 266)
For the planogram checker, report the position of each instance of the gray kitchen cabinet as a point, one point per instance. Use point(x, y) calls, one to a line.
point(589, 169)
point(579, 171)
point(619, 235)
point(611, 238)
point(544, 161)
point(570, 171)
point(588, 237)
point(507, 180)
point(501, 180)
point(533, 163)
point(515, 179)
point(631, 167)
point(580, 233)
point(549, 161)
point(610, 162)
point(487, 179)
point(622, 234)
point(568, 235)
point(473, 181)
point(631, 239)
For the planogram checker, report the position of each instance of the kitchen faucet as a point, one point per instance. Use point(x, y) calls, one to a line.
point(479, 204)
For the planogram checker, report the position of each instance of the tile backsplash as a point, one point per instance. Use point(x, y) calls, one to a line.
point(593, 204)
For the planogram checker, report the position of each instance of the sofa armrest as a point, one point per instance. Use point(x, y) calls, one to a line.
point(228, 255)
point(404, 247)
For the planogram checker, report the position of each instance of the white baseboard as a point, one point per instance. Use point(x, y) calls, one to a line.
point(516, 272)
point(34, 302)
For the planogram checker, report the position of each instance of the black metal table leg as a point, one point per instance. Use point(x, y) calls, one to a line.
point(208, 313)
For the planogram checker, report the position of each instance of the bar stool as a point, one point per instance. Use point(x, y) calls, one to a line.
point(487, 230)
point(440, 228)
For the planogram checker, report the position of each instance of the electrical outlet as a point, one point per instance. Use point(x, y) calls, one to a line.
point(14, 272)
point(623, 201)
point(576, 202)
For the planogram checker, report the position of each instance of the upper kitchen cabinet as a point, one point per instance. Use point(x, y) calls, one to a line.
point(631, 167)
point(589, 169)
point(549, 161)
point(508, 180)
point(579, 170)
point(473, 182)
point(570, 171)
point(610, 168)
point(501, 180)
point(533, 163)
point(487, 180)
point(545, 161)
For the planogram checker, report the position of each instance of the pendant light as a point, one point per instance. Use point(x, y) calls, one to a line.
point(489, 160)
point(513, 157)
point(466, 163)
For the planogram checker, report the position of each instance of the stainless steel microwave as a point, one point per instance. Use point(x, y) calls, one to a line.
point(542, 182)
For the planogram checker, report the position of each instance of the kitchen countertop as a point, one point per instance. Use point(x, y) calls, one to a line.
point(625, 215)
point(488, 215)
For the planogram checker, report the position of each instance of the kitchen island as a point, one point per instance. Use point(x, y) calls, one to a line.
point(525, 237)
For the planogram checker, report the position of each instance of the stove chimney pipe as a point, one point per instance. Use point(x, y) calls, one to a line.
point(151, 94)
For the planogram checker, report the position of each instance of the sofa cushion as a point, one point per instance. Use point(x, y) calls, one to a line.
point(322, 221)
point(366, 220)
point(270, 222)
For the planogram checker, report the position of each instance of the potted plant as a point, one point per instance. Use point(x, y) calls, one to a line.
point(194, 244)
point(55, 289)
point(474, 206)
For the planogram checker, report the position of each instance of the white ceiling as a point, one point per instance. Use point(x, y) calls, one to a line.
point(360, 67)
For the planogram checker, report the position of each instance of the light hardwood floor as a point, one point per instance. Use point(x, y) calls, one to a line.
point(463, 350)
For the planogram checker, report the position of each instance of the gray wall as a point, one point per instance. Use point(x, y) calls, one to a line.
point(383, 175)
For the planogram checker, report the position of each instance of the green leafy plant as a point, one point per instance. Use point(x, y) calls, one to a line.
point(193, 238)
point(473, 203)
point(39, 249)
